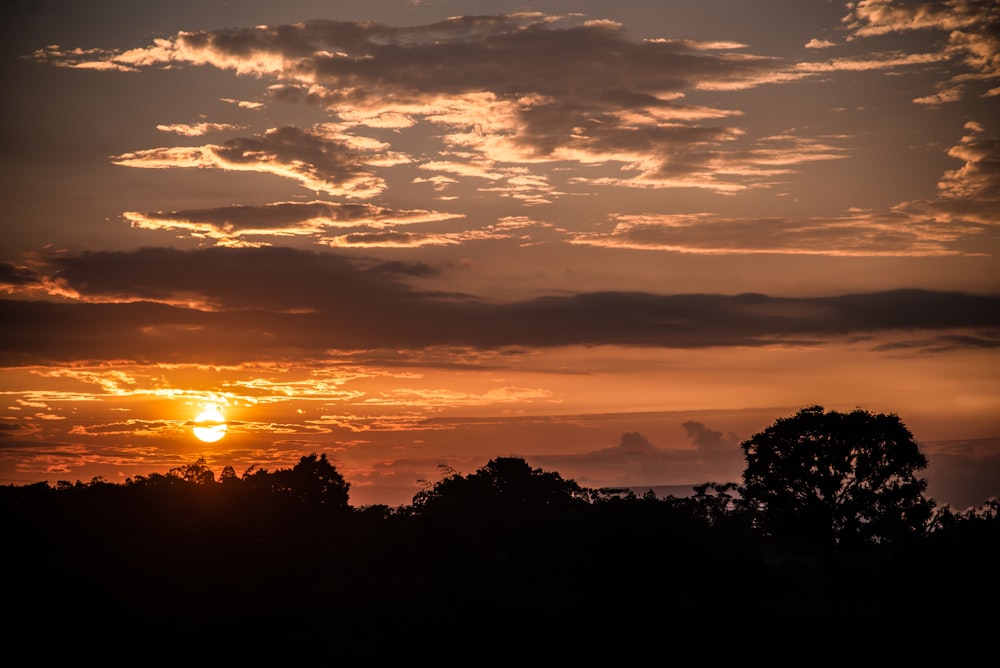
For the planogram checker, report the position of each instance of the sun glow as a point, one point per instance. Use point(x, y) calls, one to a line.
point(210, 425)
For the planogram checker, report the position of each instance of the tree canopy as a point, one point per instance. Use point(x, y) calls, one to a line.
point(557, 572)
point(835, 476)
point(504, 484)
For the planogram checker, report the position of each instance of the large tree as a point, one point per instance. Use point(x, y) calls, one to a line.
point(830, 477)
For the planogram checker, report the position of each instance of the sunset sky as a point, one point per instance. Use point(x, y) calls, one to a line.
point(615, 239)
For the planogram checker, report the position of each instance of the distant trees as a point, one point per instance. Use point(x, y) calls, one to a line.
point(505, 485)
point(551, 569)
point(313, 481)
point(835, 477)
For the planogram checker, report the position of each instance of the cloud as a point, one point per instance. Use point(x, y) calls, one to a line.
point(637, 462)
point(318, 163)
point(969, 193)
point(420, 397)
point(503, 94)
point(12, 276)
point(243, 104)
point(196, 129)
point(255, 225)
point(869, 62)
point(979, 177)
point(970, 28)
point(231, 305)
point(130, 428)
point(519, 89)
point(939, 344)
point(858, 234)
point(391, 239)
point(505, 228)
point(819, 44)
point(880, 17)
point(709, 441)
point(967, 206)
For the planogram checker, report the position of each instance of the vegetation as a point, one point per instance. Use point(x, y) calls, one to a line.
point(509, 564)
point(834, 477)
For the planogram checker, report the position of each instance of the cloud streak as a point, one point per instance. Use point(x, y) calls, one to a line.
point(323, 165)
point(246, 225)
point(278, 303)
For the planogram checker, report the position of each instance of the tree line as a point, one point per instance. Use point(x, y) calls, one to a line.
point(829, 530)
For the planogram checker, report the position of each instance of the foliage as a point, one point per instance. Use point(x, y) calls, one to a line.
point(834, 477)
point(314, 481)
point(505, 485)
point(553, 571)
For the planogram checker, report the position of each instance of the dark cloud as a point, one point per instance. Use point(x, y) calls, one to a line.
point(946, 343)
point(632, 443)
point(552, 90)
point(267, 279)
point(319, 163)
point(635, 461)
point(245, 304)
point(709, 441)
point(406, 268)
point(13, 275)
point(511, 55)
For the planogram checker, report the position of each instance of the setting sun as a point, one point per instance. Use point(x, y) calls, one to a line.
point(210, 425)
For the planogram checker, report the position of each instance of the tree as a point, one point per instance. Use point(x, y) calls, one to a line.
point(314, 482)
point(833, 477)
point(197, 473)
point(504, 486)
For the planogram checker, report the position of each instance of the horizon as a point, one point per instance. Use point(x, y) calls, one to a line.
point(417, 235)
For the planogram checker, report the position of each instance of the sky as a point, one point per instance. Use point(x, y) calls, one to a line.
point(615, 239)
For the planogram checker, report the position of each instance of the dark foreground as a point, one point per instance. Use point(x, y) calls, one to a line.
point(144, 574)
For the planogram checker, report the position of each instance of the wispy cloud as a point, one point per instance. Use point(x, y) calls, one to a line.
point(261, 225)
point(967, 207)
point(196, 129)
point(859, 234)
point(968, 29)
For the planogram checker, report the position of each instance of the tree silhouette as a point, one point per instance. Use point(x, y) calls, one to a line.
point(314, 482)
point(836, 477)
point(555, 572)
point(504, 486)
point(822, 482)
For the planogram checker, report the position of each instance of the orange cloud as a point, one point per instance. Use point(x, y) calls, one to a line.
point(968, 204)
point(970, 26)
point(856, 235)
point(196, 129)
point(256, 225)
point(517, 89)
point(317, 163)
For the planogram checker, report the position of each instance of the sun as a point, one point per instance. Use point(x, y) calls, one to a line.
point(210, 425)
